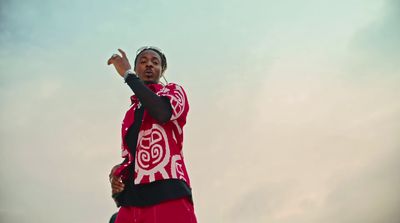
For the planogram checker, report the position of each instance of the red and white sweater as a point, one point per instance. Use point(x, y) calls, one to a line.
point(159, 147)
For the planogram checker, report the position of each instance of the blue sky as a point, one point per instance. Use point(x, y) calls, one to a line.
point(294, 106)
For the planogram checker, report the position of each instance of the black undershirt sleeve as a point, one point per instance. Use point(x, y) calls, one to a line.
point(159, 108)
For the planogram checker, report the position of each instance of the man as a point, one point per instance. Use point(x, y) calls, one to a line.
point(152, 184)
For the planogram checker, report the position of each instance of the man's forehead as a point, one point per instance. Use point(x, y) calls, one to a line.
point(149, 54)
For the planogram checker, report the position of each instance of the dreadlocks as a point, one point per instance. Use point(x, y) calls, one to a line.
point(155, 49)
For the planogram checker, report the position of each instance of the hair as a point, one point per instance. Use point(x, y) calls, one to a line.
point(158, 51)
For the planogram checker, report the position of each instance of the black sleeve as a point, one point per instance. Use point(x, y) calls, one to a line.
point(158, 107)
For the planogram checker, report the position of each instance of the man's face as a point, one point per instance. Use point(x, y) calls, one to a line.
point(148, 66)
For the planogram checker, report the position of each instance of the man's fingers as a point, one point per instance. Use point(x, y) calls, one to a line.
point(115, 57)
point(117, 188)
point(110, 61)
point(115, 191)
point(117, 184)
point(112, 58)
point(122, 53)
point(116, 180)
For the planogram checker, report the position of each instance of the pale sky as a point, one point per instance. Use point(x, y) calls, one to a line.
point(294, 113)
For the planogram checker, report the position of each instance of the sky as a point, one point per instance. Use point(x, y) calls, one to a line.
point(293, 106)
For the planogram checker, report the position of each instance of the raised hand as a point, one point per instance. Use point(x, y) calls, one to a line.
point(121, 63)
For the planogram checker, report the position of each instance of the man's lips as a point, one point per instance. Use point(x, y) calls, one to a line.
point(148, 72)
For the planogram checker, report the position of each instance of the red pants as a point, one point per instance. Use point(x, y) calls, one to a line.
point(174, 211)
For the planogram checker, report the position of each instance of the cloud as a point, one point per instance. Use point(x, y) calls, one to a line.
point(376, 47)
point(283, 127)
point(295, 140)
point(368, 195)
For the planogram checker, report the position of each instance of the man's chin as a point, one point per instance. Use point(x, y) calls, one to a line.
point(150, 82)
